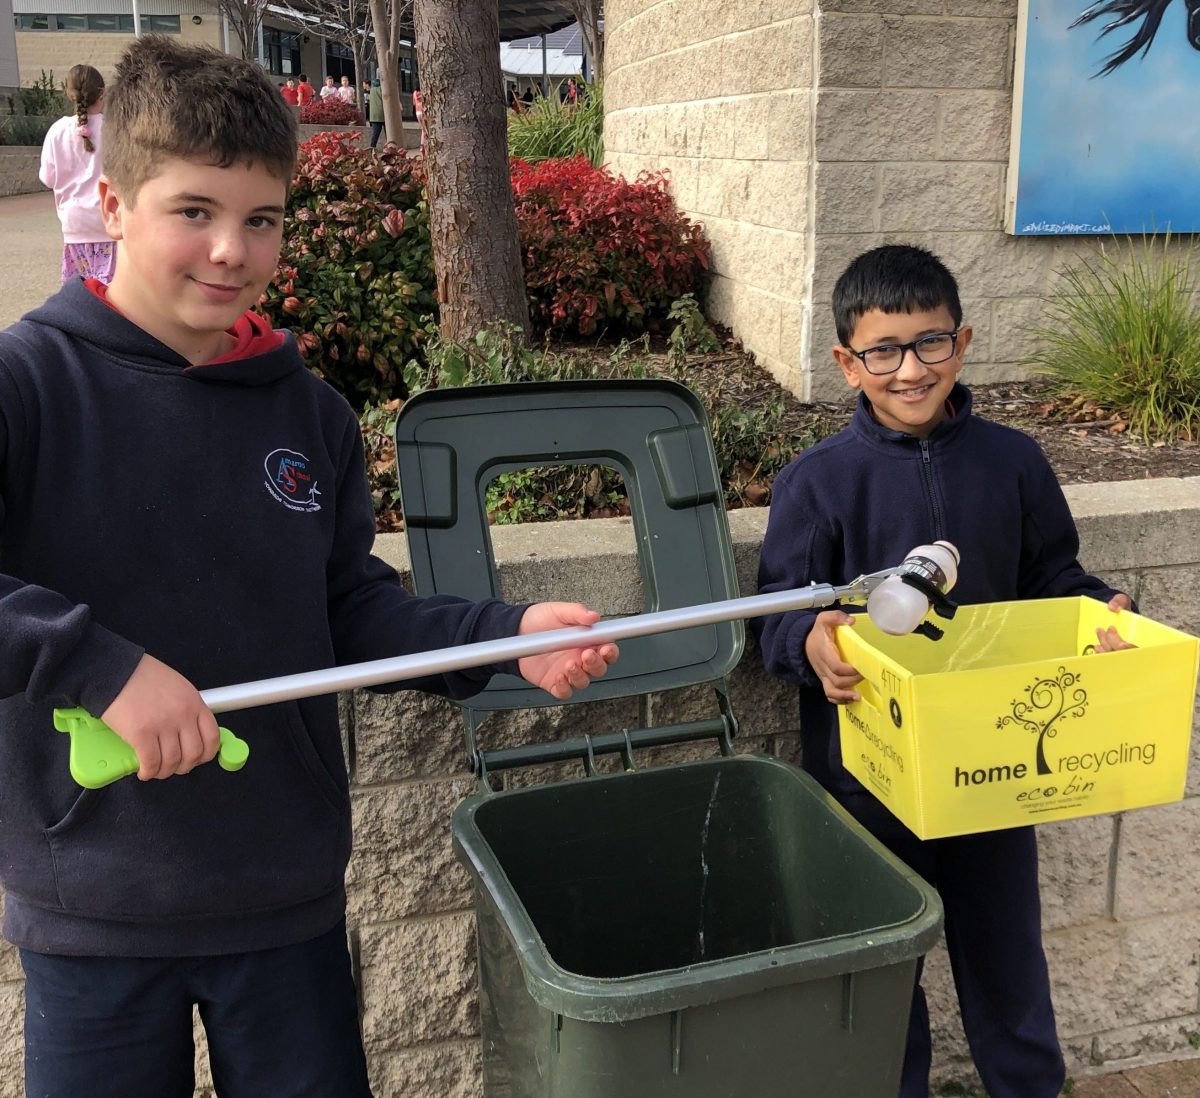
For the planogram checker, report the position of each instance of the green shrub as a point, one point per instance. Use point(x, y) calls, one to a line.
point(45, 96)
point(1124, 333)
point(43, 103)
point(26, 129)
point(378, 424)
point(547, 129)
point(501, 355)
point(751, 444)
point(355, 280)
point(689, 331)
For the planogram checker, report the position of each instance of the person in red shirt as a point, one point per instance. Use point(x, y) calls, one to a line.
point(288, 91)
point(304, 91)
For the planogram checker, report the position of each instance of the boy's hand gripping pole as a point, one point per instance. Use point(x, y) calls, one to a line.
point(100, 756)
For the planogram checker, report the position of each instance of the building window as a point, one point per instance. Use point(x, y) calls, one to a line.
point(120, 24)
point(339, 60)
point(283, 50)
point(409, 78)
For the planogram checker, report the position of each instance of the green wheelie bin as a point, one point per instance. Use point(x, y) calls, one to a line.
point(712, 928)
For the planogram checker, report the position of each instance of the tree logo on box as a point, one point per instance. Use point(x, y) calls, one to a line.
point(1047, 703)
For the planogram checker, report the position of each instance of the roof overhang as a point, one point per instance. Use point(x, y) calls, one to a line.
point(518, 18)
point(524, 18)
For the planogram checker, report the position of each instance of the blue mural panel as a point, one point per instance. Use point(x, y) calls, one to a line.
point(1106, 134)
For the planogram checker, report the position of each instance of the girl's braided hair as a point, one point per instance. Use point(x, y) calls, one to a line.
point(84, 87)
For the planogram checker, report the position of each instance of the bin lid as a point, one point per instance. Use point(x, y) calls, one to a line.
point(451, 443)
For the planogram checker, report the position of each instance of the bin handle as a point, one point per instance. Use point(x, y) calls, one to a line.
point(627, 752)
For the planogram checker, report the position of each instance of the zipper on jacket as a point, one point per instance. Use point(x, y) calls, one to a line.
point(927, 477)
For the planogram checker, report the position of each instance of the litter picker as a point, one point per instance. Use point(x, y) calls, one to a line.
point(98, 756)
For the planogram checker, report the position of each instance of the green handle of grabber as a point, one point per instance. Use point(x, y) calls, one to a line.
point(99, 756)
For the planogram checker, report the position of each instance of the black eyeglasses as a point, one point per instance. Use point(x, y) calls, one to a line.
point(888, 358)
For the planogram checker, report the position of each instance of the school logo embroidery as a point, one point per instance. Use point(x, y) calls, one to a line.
point(290, 480)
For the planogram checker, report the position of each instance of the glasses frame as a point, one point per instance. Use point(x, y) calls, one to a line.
point(904, 348)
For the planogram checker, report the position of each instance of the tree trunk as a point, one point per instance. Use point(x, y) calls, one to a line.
point(476, 255)
point(587, 15)
point(247, 35)
point(385, 22)
point(360, 72)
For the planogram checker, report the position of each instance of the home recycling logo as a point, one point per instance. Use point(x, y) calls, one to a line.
point(290, 480)
point(1048, 702)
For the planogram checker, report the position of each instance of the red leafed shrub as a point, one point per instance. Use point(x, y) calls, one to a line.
point(331, 112)
point(601, 250)
point(355, 277)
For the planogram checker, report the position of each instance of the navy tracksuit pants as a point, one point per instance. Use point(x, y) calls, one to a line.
point(989, 889)
point(280, 1023)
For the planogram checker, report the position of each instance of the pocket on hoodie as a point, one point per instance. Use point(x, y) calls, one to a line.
point(210, 843)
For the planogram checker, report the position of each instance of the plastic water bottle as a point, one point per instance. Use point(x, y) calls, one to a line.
point(895, 606)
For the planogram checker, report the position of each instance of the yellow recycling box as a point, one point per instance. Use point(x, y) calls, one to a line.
point(1013, 717)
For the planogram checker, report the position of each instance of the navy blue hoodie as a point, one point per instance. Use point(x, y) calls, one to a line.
point(859, 501)
point(217, 517)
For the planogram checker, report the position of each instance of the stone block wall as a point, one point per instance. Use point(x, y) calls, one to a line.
point(911, 146)
point(894, 129)
point(19, 170)
point(56, 51)
point(721, 96)
point(1121, 910)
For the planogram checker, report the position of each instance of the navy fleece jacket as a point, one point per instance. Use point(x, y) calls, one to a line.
point(859, 501)
point(218, 518)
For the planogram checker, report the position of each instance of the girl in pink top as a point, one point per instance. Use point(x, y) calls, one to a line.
point(346, 91)
point(71, 168)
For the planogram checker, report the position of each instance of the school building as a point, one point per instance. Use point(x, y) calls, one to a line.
point(52, 35)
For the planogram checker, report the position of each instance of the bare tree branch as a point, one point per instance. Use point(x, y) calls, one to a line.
point(588, 14)
point(344, 21)
point(244, 18)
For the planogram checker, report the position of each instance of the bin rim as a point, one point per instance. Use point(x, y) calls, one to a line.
point(625, 998)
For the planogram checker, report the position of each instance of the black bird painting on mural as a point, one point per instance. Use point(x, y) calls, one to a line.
point(1126, 12)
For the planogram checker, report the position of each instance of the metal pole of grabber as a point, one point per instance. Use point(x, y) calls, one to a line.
point(225, 699)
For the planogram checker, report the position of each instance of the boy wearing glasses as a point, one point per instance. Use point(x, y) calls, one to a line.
point(914, 466)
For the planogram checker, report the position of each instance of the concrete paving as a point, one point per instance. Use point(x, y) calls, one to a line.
point(1180, 1079)
point(31, 246)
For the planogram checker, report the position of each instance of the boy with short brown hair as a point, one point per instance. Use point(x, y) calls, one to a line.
point(181, 501)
